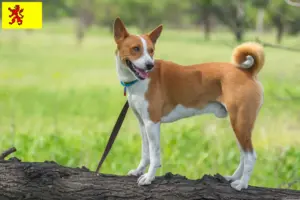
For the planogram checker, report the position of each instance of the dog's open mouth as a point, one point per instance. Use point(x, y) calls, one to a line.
point(139, 73)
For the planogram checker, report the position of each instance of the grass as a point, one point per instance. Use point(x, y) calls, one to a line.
point(59, 102)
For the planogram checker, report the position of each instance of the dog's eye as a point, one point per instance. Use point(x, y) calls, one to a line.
point(136, 49)
point(151, 50)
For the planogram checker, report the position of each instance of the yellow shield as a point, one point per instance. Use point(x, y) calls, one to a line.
point(22, 15)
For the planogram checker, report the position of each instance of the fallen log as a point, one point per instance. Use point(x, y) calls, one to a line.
point(49, 180)
point(266, 44)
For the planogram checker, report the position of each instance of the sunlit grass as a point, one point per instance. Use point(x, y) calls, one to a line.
point(59, 102)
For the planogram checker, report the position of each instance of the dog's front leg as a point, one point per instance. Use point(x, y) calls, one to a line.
point(153, 135)
point(145, 160)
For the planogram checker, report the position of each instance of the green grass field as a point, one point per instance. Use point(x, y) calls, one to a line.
point(59, 102)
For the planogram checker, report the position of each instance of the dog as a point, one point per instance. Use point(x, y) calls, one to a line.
point(162, 91)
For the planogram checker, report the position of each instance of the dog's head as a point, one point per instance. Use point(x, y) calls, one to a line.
point(136, 52)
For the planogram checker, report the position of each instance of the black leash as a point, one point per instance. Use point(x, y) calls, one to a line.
point(113, 134)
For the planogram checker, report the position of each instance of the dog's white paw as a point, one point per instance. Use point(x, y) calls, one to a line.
point(231, 178)
point(239, 185)
point(135, 172)
point(145, 179)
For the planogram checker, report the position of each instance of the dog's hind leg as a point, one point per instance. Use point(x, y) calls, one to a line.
point(242, 121)
point(239, 171)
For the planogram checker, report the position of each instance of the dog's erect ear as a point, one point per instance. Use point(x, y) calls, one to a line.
point(120, 32)
point(154, 35)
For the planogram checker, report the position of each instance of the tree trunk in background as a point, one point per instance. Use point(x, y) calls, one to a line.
point(142, 23)
point(280, 30)
point(279, 19)
point(50, 181)
point(85, 19)
point(240, 20)
point(278, 22)
point(260, 21)
point(80, 30)
point(108, 22)
point(205, 7)
point(207, 23)
point(143, 19)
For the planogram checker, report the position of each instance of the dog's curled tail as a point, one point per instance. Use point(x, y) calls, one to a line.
point(249, 56)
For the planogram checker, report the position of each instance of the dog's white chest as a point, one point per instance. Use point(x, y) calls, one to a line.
point(136, 97)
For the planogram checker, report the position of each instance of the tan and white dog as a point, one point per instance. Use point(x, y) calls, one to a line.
point(161, 91)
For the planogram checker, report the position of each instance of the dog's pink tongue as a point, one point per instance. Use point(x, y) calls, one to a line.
point(142, 73)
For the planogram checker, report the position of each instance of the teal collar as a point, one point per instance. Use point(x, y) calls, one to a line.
point(128, 84)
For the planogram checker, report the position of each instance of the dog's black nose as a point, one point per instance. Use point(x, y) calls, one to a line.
point(149, 66)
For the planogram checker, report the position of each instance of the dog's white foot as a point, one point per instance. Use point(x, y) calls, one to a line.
point(231, 178)
point(135, 172)
point(145, 179)
point(239, 185)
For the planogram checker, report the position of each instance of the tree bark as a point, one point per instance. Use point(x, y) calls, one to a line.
point(207, 24)
point(240, 20)
point(85, 18)
point(260, 21)
point(48, 180)
point(205, 16)
point(278, 21)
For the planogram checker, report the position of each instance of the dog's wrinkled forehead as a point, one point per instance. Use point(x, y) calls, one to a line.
point(130, 41)
point(135, 46)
